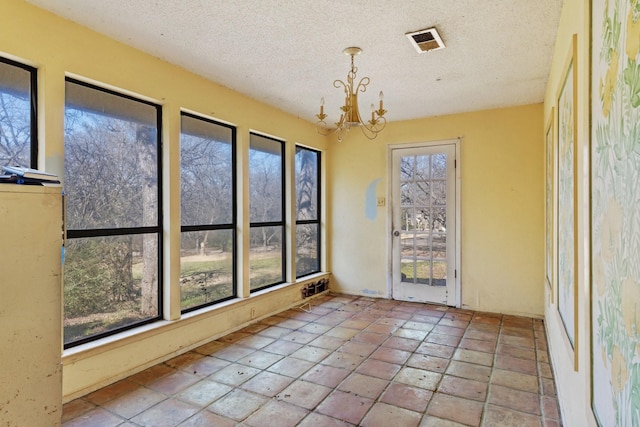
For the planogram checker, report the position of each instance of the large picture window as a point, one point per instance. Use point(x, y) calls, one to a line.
point(18, 109)
point(112, 268)
point(266, 204)
point(307, 211)
point(207, 199)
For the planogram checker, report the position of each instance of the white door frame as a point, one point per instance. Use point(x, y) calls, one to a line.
point(458, 222)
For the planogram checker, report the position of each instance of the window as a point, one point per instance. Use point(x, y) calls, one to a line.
point(207, 199)
point(266, 204)
point(307, 211)
point(112, 269)
point(18, 108)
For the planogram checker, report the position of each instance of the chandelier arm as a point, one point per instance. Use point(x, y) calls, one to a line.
point(362, 85)
point(371, 130)
point(322, 129)
point(342, 132)
point(380, 124)
point(339, 83)
point(347, 92)
point(340, 124)
point(368, 132)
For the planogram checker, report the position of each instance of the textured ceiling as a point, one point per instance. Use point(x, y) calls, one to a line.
point(287, 53)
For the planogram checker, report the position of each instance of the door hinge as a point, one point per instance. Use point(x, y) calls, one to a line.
point(455, 163)
point(455, 274)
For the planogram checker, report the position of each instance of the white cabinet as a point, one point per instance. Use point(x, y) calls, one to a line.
point(30, 305)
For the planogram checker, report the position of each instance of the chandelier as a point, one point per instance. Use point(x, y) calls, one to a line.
point(350, 116)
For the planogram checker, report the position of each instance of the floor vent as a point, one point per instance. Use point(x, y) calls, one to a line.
point(426, 40)
point(313, 288)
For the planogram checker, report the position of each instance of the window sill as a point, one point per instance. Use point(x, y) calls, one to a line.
point(124, 338)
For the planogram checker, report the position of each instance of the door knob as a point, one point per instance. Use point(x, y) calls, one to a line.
point(396, 233)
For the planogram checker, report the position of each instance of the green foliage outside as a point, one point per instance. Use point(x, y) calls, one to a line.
point(102, 289)
point(423, 271)
point(202, 282)
point(265, 270)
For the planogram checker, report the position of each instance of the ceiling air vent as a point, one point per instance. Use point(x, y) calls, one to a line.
point(426, 40)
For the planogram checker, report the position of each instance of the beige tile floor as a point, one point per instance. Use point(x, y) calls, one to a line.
point(346, 361)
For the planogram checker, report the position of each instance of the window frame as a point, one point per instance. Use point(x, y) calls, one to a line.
point(233, 226)
point(129, 231)
point(283, 216)
point(318, 219)
point(33, 108)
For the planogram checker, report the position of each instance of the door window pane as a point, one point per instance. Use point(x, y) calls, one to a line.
point(423, 246)
point(439, 245)
point(439, 166)
point(407, 168)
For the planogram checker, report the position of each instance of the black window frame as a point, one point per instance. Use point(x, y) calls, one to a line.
point(33, 125)
point(234, 209)
point(282, 222)
point(318, 219)
point(129, 231)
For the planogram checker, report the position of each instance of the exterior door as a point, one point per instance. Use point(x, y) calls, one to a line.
point(424, 224)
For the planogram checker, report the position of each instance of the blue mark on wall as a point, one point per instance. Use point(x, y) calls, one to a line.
point(370, 202)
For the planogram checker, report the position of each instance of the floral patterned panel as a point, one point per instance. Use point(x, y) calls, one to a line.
point(566, 204)
point(615, 164)
point(549, 203)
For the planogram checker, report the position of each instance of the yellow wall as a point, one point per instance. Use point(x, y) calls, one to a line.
point(59, 47)
point(502, 217)
point(502, 188)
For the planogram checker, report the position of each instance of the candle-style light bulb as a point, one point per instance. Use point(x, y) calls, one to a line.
point(373, 111)
point(381, 99)
point(322, 105)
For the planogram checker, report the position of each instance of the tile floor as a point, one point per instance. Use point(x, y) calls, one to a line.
point(348, 361)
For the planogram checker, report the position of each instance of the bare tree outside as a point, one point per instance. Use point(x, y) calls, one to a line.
point(111, 269)
point(15, 115)
point(266, 175)
point(423, 219)
point(307, 211)
point(147, 139)
point(207, 198)
point(265, 193)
